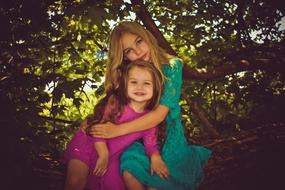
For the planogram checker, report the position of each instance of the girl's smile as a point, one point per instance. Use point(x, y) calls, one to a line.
point(139, 86)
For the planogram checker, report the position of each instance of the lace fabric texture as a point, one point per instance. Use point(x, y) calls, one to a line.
point(184, 161)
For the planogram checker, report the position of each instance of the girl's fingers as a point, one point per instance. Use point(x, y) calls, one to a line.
point(161, 176)
point(164, 169)
point(97, 130)
point(101, 172)
point(97, 134)
point(104, 171)
point(98, 172)
point(95, 171)
point(159, 173)
point(163, 173)
point(151, 171)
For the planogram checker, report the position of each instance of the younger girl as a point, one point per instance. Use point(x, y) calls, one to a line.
point(130, 41)
point(97, 166)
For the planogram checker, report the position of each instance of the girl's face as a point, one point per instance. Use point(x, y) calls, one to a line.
point(134, 47)
point(139, 86)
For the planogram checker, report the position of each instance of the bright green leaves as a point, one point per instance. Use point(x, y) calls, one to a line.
point(67, 88)
point(53, 60)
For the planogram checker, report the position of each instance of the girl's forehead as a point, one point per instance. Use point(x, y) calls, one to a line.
point(130, 35)
point(138, 69)
point(127, 39)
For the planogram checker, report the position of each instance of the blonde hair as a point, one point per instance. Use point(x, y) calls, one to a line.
point(115, 53)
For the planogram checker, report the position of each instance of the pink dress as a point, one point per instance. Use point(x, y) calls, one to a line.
point(81, 147)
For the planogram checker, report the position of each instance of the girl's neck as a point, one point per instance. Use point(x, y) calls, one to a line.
point(137, 107)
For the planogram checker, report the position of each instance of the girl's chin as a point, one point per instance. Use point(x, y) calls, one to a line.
point(147, 58)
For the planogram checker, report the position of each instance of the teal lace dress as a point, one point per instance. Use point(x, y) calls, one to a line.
point(184, 161)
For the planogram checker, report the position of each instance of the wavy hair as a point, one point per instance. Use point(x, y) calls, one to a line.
point(115, 53)
point(111, 106)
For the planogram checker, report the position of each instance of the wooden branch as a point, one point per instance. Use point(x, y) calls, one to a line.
point(147, 20)
point(221, 71)
point(234, 159)
point(194, 73)
point(199, 112)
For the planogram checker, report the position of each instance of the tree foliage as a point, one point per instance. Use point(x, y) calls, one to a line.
point(53, 57)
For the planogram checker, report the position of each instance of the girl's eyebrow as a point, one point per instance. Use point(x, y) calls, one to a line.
point(136, 79)
point(132, 78)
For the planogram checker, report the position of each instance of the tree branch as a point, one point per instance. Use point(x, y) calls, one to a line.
point(194, 73)
point(238, 66)
point(199, 112)
point(147, 20)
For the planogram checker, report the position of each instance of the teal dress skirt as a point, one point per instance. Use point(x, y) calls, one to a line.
point(185, 162)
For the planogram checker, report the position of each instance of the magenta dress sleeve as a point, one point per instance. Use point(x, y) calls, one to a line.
point(107, 109)
point(150, 142)
point(96, 139)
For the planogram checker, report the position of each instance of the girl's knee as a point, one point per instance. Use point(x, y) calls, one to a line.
point(76, 179)
point(127, 176)
point(74, 182)
point(131, 182)
point(76, 176)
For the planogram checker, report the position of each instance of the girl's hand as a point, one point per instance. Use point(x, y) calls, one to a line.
point(158, 166)
point(101, 166)
point(105, 130)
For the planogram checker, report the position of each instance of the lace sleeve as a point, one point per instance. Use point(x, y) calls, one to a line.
point(172, 88)
point(150, 142)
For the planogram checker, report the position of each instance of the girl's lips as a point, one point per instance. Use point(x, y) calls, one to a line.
point(139, 93)
point(144, 57)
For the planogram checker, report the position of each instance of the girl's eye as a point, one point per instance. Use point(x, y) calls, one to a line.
point(147, 83)
point(139, 41)
point(128, 51)
point(133, 82)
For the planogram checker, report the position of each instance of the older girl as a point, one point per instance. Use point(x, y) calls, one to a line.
point(130, 41)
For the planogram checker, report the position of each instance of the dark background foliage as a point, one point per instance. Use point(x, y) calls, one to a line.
point(53, 56)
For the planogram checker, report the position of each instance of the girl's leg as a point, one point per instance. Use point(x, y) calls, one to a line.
point(131, 182)
point(76, 176)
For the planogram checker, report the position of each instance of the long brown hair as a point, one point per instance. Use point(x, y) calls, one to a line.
point(115, 53)
point(111, 106)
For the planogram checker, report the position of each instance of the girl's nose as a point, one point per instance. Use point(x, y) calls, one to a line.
point(138, 51)
point(139, 86)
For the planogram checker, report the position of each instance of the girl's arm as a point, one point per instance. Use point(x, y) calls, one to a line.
point(147, 121)
point(157, 165)
point(103, 158)
point(170, 99)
